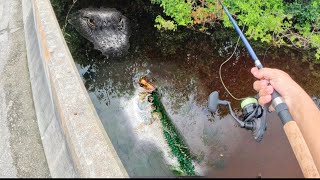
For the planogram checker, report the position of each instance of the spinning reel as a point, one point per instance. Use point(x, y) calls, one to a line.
point(253, 115)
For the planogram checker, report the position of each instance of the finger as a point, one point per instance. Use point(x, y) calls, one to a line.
point(264, 73)
point(255, 72)
point(257, 85)
point(264, 100)
point(268, 90)
point(271, 109)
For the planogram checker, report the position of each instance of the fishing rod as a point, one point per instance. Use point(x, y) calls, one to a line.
point(277, 102)
point(290, 127)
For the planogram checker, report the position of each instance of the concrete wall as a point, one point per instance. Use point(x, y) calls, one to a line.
point(74, 140)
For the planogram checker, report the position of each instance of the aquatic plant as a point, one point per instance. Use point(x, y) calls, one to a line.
point(175, 141)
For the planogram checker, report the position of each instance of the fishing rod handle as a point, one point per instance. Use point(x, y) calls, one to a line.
point(301, 150)
point(281, 107)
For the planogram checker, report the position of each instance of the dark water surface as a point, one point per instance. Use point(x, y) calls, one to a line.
point(185, 65)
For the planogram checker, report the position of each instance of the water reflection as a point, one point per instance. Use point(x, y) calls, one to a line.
point(218, 146)
point(185, 65)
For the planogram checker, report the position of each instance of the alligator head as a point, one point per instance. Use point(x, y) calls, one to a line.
point(106, 28)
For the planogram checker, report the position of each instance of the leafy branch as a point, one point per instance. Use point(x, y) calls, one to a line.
point(293, 23)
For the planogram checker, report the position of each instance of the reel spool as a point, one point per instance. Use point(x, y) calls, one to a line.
point(253, 115)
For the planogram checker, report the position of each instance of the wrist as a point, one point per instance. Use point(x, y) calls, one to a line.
point(297, 100)
point(302, 106)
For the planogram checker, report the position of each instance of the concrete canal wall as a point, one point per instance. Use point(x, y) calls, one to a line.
point(74, 140)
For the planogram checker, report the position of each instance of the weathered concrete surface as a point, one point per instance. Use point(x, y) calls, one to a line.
point(54, 142)
point(21, 151)
point(74, 140)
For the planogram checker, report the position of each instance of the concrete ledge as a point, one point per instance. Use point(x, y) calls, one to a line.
point(74, 140)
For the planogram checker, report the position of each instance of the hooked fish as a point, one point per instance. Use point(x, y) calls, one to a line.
point(106, 28)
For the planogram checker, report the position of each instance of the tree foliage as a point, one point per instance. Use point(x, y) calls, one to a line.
point(294, 23)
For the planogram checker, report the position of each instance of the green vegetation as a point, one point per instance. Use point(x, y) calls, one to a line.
point(174, 139)
point(294, 23)
point(165, 24)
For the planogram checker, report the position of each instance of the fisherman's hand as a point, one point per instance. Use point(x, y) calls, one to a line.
point(303, 110)
point(270, 79)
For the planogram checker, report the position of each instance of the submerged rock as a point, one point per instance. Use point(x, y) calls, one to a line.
point(106, 28)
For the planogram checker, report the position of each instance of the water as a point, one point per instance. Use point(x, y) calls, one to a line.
point(185, 65)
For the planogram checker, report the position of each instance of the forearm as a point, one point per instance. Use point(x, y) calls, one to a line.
point(307, 115)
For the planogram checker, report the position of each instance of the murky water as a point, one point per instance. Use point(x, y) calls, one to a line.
point(185, 65)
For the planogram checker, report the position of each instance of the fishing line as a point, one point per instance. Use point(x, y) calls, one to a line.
point(265, 53)
point(225, 87)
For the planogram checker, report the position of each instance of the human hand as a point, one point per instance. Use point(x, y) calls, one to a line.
point(301, 107)
point(275, 79)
